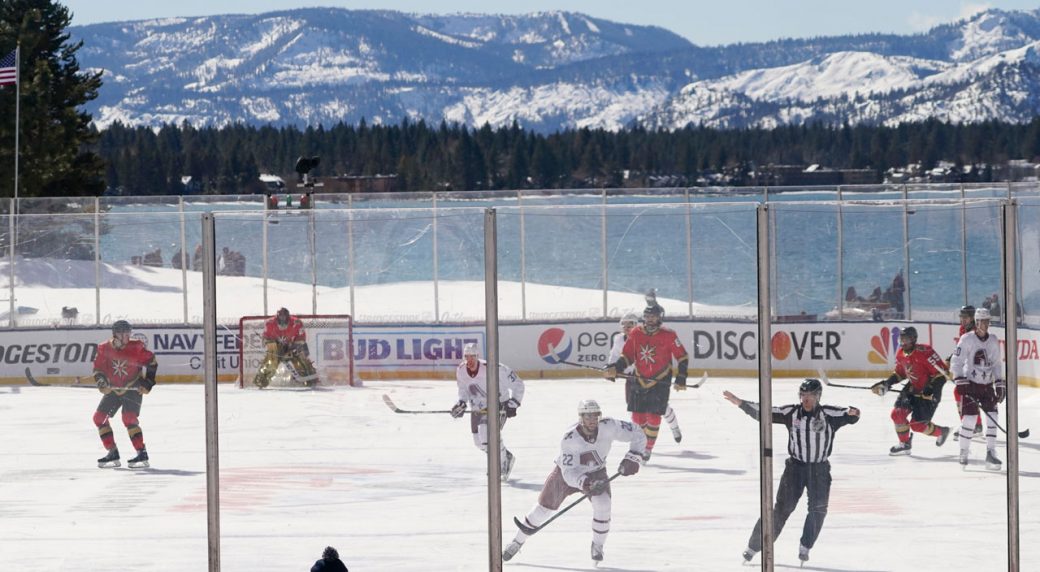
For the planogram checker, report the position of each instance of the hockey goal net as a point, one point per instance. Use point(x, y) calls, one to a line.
point(330, 340)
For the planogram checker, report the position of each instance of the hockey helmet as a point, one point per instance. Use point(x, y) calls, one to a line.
point(811, 386)
point(909, 333)
point(982, 314)
point(282, 316)
point(968, 311)
point(629, 319)
point(653, 315)
point(589, 407)
point(470, 349)
point(121, 326)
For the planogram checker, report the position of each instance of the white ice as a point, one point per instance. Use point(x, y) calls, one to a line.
point(396, 492)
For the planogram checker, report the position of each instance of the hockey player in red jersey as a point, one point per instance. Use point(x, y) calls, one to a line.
point(286, 340)
point(124, 370)
point(651, 348)
point(925, 373)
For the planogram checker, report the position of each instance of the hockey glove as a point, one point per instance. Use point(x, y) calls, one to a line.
point(630, 464)
point(458, 410)
point(509, 407)
point(610, 373)
point(593, 486)
point(879, 388)
point(103, 385)
point(1000, 388)
point(680, 383)
point(145, 385)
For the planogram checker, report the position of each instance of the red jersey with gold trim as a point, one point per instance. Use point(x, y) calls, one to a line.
point(920, 365)
point(652, 353)
point(291, 333)
point(123, 366)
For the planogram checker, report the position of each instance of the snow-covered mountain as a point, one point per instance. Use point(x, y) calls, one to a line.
point(548, 71)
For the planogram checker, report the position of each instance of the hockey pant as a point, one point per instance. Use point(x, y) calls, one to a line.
point(478, 426)
point(651, 424)
point(921, 410)
point(979, 401)
point(130, 402)
point(552, 496)
point(812, 477)
point(960, 411)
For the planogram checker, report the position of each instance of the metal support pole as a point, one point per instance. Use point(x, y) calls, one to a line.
point(184, 259)
point(494, 423)
point(436, 267)
point(841, 261)
point(312, 240)
point(209, 327)
point(350, 255)
point(765, 385)
point(268, 214)
point(964, 246)
point(689, 255)
point(10, 266)
point(907, 299)
point(97, 261)
point(605, 274)
point(1011, 270)
point(523, 259)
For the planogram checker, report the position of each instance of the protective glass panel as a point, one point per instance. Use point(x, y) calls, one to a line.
point(895, 435)
point(873, 261)
point(937, 260)
point(724, 261)
point(563, 261)
point(982, 223)
point(805, 245)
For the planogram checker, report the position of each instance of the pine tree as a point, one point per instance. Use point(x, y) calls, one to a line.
point(55, 155)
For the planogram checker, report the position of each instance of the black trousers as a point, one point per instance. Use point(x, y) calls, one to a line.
point(798, 476)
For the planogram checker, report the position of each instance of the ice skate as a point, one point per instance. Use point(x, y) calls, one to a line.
point(507, 465)
point(748, 554)
point(900, 449)
point(944, 433)
point(597, 552)
point(803, 554)
point(109, 460)
point(963, 459)
point(992, 462)
point(511, 550)
point(140, 461)
point(646, 456)
point(677, 433)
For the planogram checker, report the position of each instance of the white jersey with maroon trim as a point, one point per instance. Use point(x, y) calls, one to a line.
point(978, 360)
point(474, 388)
point(579, 455)
point(615, 352)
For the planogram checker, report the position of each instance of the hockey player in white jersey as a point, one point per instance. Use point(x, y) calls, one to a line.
point(978, 372)
point(581, 467)
point(471, 377)
point(628, 322)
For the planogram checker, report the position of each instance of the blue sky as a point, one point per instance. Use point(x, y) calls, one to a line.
point(704, 22)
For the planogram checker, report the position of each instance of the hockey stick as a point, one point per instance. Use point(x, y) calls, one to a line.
point(552, 351)
point(36, 383)
point(390, 403)
point(1021, 434)
point(826, 381)
point(529, 530)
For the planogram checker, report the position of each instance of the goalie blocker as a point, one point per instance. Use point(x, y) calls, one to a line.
point(329, 339)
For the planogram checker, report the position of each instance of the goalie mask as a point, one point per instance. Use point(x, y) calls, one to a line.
point(653, 315)
point(282, 317)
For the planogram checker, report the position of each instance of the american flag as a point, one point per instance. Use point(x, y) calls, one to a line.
point(9, 69)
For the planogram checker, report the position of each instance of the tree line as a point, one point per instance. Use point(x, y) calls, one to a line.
point(228, 160)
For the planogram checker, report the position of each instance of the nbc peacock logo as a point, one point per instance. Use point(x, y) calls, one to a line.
point(883, 345)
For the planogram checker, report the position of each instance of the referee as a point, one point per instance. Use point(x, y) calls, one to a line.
point(811, 428)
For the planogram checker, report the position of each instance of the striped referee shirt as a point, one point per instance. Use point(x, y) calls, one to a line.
point(810, 433)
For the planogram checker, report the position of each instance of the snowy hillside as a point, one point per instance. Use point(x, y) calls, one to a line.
point(548, 71)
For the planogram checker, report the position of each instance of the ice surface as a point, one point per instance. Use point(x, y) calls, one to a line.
point(300, 471)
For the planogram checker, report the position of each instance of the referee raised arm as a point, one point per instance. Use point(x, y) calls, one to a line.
point(811, 428)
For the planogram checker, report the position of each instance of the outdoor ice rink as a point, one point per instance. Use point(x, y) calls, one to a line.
point(395, 492)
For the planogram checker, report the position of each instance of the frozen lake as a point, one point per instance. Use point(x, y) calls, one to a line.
point(300, 471)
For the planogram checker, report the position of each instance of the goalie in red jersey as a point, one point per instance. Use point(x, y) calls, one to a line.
point(124, 370)
point(651, 348)
point(286, 340)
